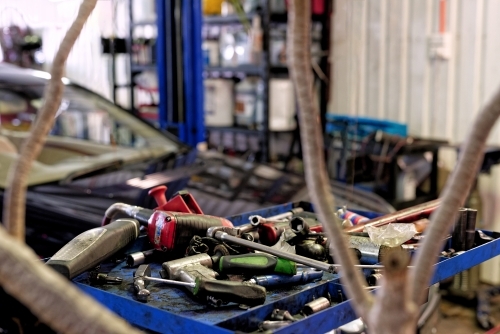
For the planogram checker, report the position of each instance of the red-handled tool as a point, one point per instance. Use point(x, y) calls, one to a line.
point(173, 230)
point(173, 223)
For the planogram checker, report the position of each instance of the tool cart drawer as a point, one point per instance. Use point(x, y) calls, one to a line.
point(173, 309)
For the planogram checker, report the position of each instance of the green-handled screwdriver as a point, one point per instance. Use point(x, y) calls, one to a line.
point(253, 264)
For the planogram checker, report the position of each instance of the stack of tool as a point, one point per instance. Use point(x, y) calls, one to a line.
point(216, 261)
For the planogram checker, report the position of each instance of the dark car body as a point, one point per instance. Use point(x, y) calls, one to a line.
point(98, 154)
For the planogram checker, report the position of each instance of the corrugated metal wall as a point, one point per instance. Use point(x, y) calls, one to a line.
point(86, 65)
point(382, 68)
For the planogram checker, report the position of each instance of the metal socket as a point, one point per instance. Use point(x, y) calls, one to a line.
point(470, 231)
point(316, 305)
point(458, 234)
point(374, 279)
point(136, 259)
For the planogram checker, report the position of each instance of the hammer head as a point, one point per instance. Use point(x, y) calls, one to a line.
point(140, 283)
point(142, 270)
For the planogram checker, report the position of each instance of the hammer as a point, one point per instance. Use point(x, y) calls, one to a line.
point(142, 278)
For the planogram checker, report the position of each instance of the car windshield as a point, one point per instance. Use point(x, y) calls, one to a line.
point(83, 115)
point(89, 134)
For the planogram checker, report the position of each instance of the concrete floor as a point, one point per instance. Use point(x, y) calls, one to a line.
point(461, 318)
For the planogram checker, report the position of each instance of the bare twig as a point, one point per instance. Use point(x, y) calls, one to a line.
point(298, 41)
point(454, 195)
point(15, 196)
point(47, 294)
point(51, 297)
point(395, 308)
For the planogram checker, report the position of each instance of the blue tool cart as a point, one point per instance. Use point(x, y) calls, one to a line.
point(174, 310)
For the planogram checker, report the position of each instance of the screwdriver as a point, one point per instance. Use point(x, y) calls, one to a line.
point(253, 264)
point(197, 269)
point(230, 291)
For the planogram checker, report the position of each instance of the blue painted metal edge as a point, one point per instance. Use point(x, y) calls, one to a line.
point(163, 321)
point(325, 320)
point(343, 313)
point(148, 317)
point(292, 303)
point(452, 266)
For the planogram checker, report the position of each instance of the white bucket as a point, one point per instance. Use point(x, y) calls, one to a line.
point(143, 10)
point(281, 105)
point(219, 102)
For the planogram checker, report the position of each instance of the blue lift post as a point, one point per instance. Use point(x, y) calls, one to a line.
point(193, 79)
point(173, 310)
point(190, 127)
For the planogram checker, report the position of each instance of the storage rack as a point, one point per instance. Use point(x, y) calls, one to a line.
point(134, 67)
point(265, 71)
point(172, 310)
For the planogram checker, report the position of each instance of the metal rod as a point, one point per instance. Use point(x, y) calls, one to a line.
point(470, 231)
point(256, 220)
point(373, 287)
point(169, 281)
point(285, 255)
point(286, 214)
point(404, 216)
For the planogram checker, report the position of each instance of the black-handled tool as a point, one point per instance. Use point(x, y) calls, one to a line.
point(92, 247)
point(236, 292)
point(197, 269)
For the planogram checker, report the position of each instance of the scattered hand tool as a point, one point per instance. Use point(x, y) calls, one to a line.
point(403, 216)
point(94, 246)
point(222, 235)
point(197, 269)
point(270, 325)
point(282, 318)
point(102, 278)
point(279, 315)
point(142, 276)
point(138, 258)
point(315, 306)
point(172, 224)
point(302, 277)
point(270, 229)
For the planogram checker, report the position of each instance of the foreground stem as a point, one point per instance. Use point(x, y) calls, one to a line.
point(318, 183)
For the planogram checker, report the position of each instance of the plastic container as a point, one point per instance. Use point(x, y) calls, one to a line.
point(219, 102)
point(249, 107)
point(256, 41)
point(281, 105)
point(144, 10)
point(212, 7)
point(210, 50)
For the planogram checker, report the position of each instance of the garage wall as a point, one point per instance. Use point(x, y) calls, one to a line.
point(382, 65)
point(86, 65)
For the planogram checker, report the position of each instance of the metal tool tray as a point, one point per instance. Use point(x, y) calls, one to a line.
point(174, 310)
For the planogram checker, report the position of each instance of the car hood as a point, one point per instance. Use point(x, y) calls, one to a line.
point(65, 158)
